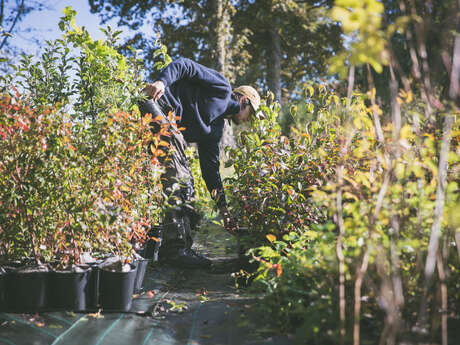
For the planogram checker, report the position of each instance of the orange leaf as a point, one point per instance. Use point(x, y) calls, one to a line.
point(159, 153)
point(279, 270)
point(271, 238)
point(147, 118)
point(151, 293)
point(158, 118)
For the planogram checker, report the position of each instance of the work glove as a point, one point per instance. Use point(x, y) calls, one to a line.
point(230, 223)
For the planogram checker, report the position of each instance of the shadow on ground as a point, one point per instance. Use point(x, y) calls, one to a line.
point(177, 306)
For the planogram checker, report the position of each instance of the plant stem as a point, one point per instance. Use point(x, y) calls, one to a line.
point(442, 281)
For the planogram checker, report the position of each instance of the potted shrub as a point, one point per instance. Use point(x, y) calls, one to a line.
point(79, 183)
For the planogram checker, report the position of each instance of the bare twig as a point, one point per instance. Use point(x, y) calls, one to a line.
point(340, 222)
point(340, 256)
point(438, 213)
point(421, 46)
point(360, 271)
point(378, 127)
point(415, 64)
point(20, 9)
point(455, 71)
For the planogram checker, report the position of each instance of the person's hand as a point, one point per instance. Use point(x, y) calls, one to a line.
point(230, 223)
point(155, 90)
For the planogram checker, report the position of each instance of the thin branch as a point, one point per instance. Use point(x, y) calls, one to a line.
point(442, 282)
point(340, 222)
point(2, 11)
point(455, 72)
point(378, 127)
point(415, 63)
point(318, 5)
point(457, 241)
point(339, 245)
point(360, 271)
point(436, 227)
point(20, 9)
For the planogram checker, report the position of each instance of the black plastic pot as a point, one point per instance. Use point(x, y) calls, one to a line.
point(116, 289)
point(67, 290)
point(141, 266)
point(151, 246)
point(92, 288)
point(26, 291)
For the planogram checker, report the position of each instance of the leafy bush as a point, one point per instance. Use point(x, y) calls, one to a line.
point(274, 174)
point(386, 190)
point(83, 182)
point(35, 146)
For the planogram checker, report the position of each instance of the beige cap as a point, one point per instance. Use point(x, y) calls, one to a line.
point(251, 94)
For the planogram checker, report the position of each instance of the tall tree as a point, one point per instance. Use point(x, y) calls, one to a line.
point(291, 40)
point(274, 42)
point(198, 29)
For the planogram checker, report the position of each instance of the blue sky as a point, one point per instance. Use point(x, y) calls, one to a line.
point(44, 24)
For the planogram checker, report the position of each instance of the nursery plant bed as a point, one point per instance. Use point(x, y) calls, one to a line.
point(182, 307)
point(84, 288)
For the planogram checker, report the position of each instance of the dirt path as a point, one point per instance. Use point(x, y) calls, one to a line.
point(186, 307)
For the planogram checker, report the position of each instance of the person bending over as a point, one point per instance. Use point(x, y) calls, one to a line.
point(200, 99)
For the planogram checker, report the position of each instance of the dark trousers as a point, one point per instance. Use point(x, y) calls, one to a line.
point(180, 216)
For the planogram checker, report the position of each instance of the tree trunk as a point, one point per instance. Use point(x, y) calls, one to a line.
point(222, 36)
point(274, 60)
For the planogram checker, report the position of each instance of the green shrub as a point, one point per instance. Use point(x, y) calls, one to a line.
point(83, 182)
point(387, 192)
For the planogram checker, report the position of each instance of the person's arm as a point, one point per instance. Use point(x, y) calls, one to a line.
point(183, 68)
point(208, 152)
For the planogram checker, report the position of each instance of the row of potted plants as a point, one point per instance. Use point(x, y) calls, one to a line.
point(78, 166)
point(98, 285)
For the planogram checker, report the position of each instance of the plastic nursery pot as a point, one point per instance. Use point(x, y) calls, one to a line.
point(92, 288)
point(67, 289)
point(116, 289)
point(151, 246)
point(26, 289)
point(141, 265)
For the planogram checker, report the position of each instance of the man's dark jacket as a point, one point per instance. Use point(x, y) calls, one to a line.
point(201, 98)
